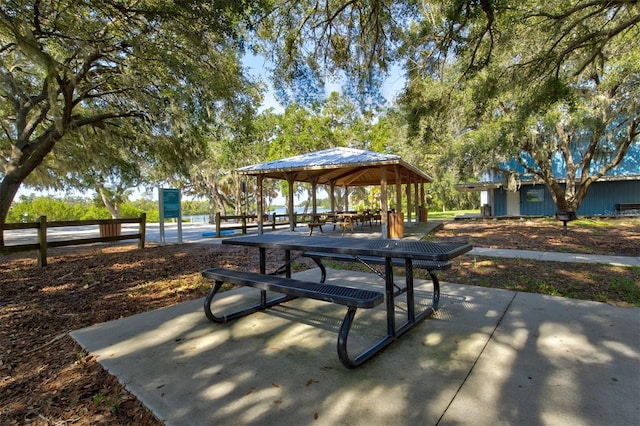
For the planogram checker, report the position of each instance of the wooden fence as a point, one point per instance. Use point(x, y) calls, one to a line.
point(110, 230)
point(244, 222)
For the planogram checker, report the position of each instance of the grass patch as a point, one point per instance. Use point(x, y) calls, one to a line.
point(597, 282)
point(100, 400)
point(433, 215)
point(626, 289)
point(592, 223)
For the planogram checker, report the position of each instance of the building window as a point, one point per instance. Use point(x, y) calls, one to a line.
point(535, 195)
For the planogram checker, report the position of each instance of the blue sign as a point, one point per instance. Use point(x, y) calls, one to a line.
point(171, 203)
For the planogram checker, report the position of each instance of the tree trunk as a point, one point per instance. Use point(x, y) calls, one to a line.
point(114, 208)
point(20, 165)
point(8, 190)
point(240, 202)
point(212, 211)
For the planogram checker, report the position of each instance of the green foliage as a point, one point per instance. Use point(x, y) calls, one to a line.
point(115, 98)
point(532, 81)
point(627, 289)
point(443, 195)
point(29, 209)
point(309, 42)
point(194, 207)
point(102, 95)
point(451, 214)
point(100, 400)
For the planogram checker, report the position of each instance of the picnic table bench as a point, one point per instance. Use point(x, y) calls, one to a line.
point(367, 261)
point(350, 297)
point(316, 222)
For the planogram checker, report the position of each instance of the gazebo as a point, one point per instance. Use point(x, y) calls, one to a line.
point(346, 167)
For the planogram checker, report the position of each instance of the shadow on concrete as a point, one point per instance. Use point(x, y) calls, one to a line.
point(489, 356)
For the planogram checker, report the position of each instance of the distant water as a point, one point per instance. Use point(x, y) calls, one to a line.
point(198, 218)
point(283, 210)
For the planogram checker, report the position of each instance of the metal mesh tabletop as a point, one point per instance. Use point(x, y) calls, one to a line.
point(425, 250)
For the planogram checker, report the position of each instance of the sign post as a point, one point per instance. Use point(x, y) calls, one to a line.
point(169, 199)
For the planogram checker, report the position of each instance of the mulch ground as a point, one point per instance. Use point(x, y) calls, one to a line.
point(46, 378)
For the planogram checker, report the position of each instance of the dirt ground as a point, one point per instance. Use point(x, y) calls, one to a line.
point(602, 236)
point(47, 379)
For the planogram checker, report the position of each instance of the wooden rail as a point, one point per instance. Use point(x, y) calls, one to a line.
point(109, 231)
point(245, 222)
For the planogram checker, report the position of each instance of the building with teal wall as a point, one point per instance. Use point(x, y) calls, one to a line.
point(508, 196)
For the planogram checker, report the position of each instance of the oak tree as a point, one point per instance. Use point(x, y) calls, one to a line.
point(69, 68)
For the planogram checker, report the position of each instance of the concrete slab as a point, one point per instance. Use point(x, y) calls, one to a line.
point(464, 366)
point(556, 361)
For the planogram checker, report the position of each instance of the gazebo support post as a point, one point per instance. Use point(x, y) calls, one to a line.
point(332, 195)
point(409, 200)
point(384, 204)
point(292, 213)
point(260, 201)
point(396, 169)
point(314, 187)
point(416, 204)
point(423, 200)
point(398, 223)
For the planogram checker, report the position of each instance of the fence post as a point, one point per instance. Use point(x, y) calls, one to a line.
point(42, 241)
point(217, 224)
point(142, 229)
point(244, 223)
point(273, 222)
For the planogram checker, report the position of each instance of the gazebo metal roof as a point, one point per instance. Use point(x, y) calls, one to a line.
point(342, 166)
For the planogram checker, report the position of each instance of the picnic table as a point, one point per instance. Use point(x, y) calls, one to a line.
point(392, 251)
point(346, 221)
point(317, 220)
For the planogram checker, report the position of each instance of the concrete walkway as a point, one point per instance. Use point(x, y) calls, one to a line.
point(557, 257)
point(488, 357)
